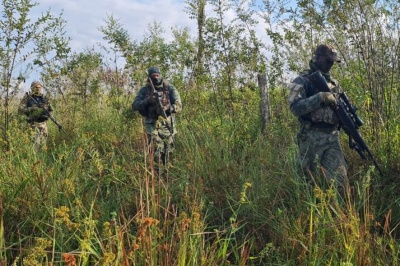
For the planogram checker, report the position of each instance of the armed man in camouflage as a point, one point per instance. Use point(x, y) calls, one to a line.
point(318, 137)
point(158, 102)
point(36, 107)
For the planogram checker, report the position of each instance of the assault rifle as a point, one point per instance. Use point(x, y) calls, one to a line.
point(350, 121)
point(154, 93)
point(48, 114)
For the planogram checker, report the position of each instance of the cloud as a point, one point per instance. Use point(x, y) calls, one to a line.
point(85, 17)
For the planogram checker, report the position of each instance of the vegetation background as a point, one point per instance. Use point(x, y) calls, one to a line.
point(234, 194)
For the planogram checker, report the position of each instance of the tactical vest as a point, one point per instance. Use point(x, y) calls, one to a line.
point(36, 100)
point(323, 114)
point(163, 97)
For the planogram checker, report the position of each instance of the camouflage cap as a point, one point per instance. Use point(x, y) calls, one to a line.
point(328, 50)
point(153, 70)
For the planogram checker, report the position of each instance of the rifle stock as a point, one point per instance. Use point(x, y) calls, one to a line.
point(350, 122)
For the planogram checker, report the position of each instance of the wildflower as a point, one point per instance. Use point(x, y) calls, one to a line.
point(107, 232)
point(69, 186)
point(243, 196)
point(37, 253)
point(108, 258)
point(62, 217)
point(135, 246)
point(69, 259)
point(163, 247)
point(148, 221)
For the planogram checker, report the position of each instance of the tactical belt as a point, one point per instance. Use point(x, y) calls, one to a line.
point(322, 127)
point(307, 124)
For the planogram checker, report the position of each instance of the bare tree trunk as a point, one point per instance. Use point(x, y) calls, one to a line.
point(265, 104)
point(196, 9)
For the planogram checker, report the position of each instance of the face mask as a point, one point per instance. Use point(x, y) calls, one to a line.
point(324, 64)
point(156, 81)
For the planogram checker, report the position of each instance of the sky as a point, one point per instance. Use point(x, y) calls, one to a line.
point(84, 17)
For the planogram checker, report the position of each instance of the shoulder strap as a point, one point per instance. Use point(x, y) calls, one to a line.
point(148, 89)
point(309, 86)
point(165, 86)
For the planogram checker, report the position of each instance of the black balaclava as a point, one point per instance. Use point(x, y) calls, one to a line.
point(156, 81)
point(324, 57)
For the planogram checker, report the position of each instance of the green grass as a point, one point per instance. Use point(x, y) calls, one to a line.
point(233, 195)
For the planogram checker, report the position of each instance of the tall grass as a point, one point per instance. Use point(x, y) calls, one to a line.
point(232, 196)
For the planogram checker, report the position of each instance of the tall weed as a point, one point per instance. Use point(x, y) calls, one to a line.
point(232, 194)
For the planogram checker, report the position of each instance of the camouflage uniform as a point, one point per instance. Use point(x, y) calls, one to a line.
point(160, 131)
point(318, 137)
point(32, 105)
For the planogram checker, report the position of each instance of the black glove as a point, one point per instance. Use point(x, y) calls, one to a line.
point(171, 109)
point(151, 99)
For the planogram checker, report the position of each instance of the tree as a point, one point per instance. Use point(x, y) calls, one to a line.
point(232, 53)
point(174, 58)
point(34, 44)
point(196, 10)
point(152, 50)
point(84, 71)
point(122, 48)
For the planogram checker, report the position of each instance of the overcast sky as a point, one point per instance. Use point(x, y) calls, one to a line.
point(84, 17)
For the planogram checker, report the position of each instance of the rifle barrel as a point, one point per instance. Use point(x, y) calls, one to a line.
point(348, 118)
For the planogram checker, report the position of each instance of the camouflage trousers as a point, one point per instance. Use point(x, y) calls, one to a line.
point(160, 141)
point(40, 134)
point(320, 150)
